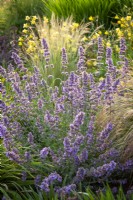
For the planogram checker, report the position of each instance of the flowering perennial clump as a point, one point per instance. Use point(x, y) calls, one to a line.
point(55, 126)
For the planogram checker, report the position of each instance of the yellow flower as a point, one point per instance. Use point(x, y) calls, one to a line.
point(25, 26)
point(131, 23)
point(36, 57)
point(119, 22)
point(27, 18)
point(84, 39)
point(97, 35)
point(116, 17)
point(101, 79)
point(20, 43)
point(89, 63)
point(30, 36)
point(128, 18)
point(25, 31)
point(122, 25)
point(95, 63)
point(75, 26)
point(129, 34)
point(45, 19)
point(108, 44)
point(34, 18)
point(41, 51)
point(99, 32)
point(94, 37)
point(117, 48)
point(33, 21)
point(91, 18)
point(20, 39)
point(30, 49)
point(117, 30)
point(120, 34)
point(122, 19)
point(31, 43)
point(106, 33)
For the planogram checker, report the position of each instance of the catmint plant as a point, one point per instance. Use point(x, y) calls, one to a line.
point(55, 126)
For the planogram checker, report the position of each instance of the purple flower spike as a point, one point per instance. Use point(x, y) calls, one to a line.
point(2, 71)
point(80, 175)
point(49, 180)
point(106, 169)
point(54, 176)
point(66, 190)
point(85, 78)
point(2, 130)
point(24, 176)
point(83, 156)
point(37, 180)
point(27, 156)
point(44, 152)
point(46, 50)
point(30, 138)
point(105, 133)
point(78, 121)
point(81, 62)
point(13, 156)
point(64, 58)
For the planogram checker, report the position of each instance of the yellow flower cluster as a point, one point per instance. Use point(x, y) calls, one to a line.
point(33, 21)
point(91, 18)
point(74, 26)
point(27, 39)
point(45, 19)
point(58, 34)
point(125, 28)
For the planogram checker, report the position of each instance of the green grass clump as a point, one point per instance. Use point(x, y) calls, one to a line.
point(82, 9)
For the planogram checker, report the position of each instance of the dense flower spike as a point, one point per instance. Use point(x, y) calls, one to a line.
point(46, 51)
point(3, 130)
point(45, 185)
point(24, 176)
point(100, 52)
point(18, 62)
point(2, 71)
point(78, 121)
point(64, 59)
point(44, 152)
point(104, 170)
point(122, 48)
point(81, 62)
point(12, 155)
point(80, 175)
point(66, 190)
point(30, 138)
